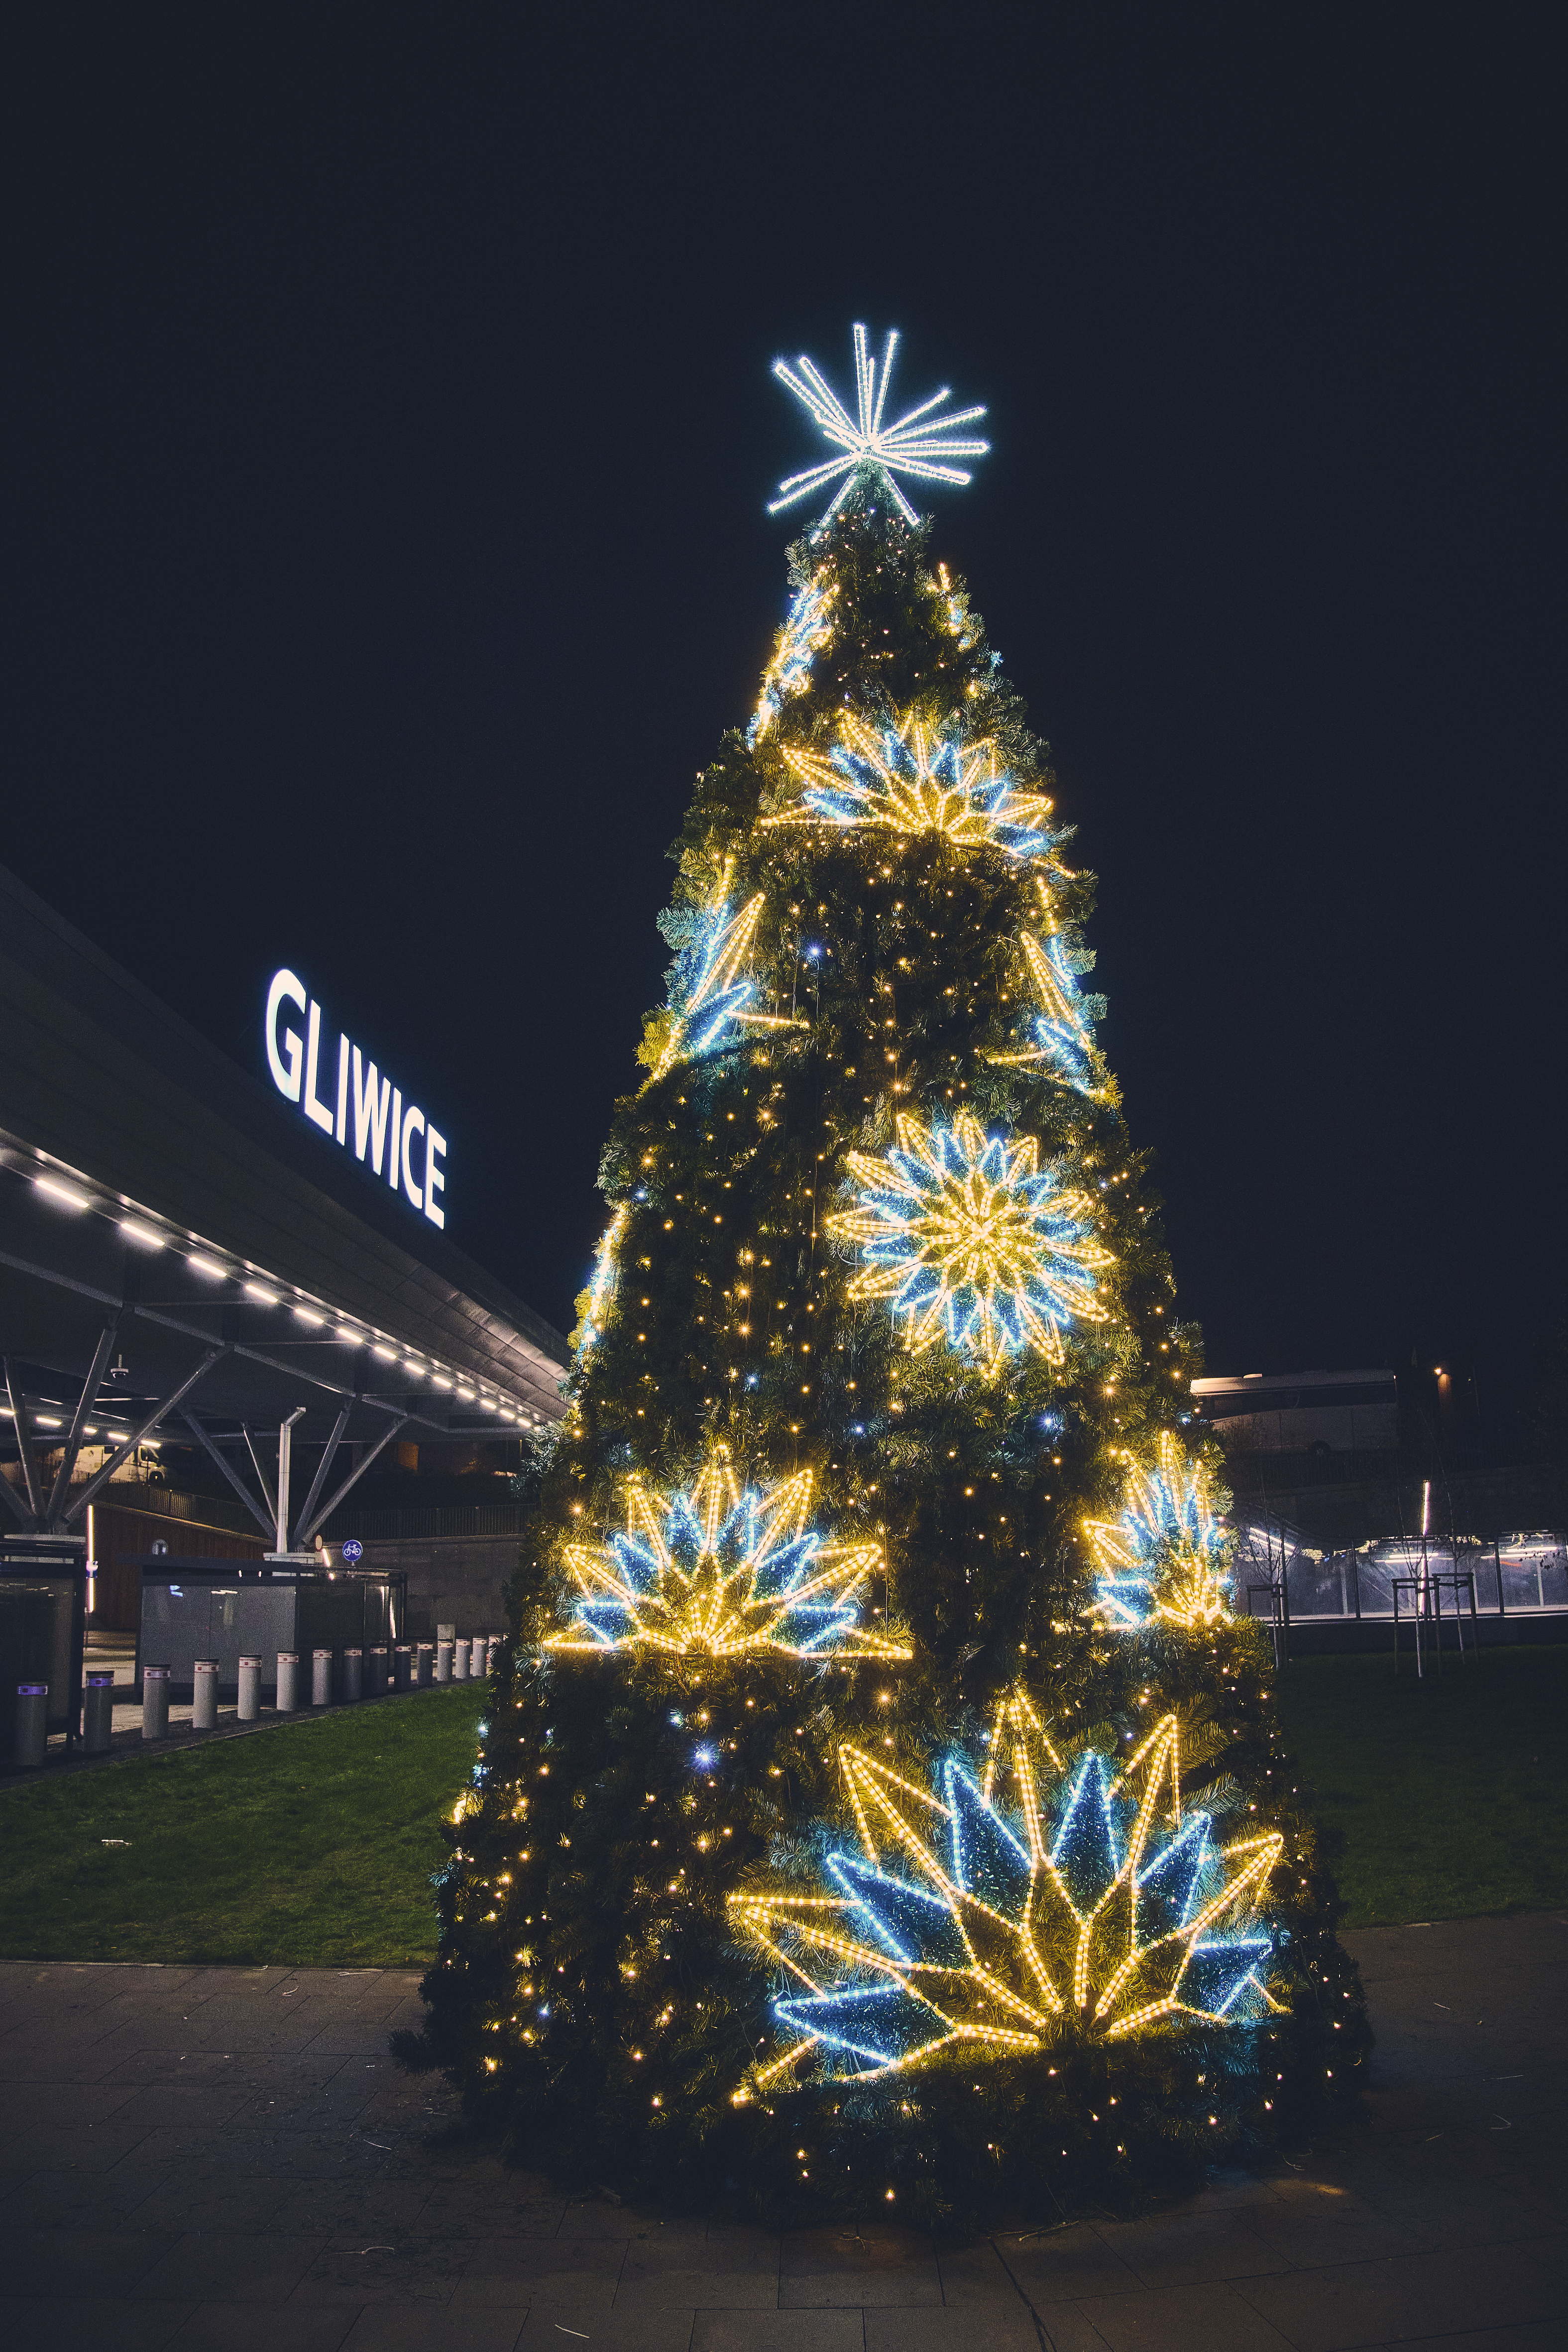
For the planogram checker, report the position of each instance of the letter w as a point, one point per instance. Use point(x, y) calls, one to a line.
point(370, 1112)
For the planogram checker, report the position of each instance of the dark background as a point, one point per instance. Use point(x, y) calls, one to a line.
point(391, 432)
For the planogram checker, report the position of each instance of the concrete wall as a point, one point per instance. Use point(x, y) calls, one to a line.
point(451, 1579)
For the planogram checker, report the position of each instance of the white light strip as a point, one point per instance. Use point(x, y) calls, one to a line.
point(65, 1196)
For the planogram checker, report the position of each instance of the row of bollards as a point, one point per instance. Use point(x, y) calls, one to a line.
point(366, 1674)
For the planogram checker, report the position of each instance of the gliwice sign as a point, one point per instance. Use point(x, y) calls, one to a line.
point(364, 1111)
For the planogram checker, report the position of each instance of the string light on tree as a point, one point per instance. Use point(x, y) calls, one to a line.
point(808, 628)
point(1167, 1558)
point(918, 445)
point(969, 1240)
point(1031, 1897)
point(907, 778)
point(711, 1001)
point(723, 1572)
point(1063, 1043)
point(594, 1302)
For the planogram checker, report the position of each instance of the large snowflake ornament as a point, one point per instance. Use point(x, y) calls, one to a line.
point(1062, 1039)
point(907, 778)
point(723, 1572)
point(1028, 1898)
point(920, 444)
point(969, 1240)
point(1167, 1559)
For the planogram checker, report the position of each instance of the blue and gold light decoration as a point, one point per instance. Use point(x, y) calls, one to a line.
point(907, 778)
point(713, 997)
point(1166, 1560)
point(1011, 1903)
point(808, 628)
point(594, 1303)
point(723, 1570)
point(970, 1240)
point(920, 444)
point(1062, 1039)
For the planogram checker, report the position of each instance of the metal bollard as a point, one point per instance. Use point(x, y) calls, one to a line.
point(403, 1661)
point(353, 1674)
point(98, 1713)
point(288, 1680)
point(205, 1695)
point(32, 1723)
point(321, 1678)
point(154, 1702)
point(249, 1689)
point(444, 1661)
point(378, 1655)
point(460, 1659)
point(423, 1665)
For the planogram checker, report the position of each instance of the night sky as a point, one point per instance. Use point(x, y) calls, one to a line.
point(390, 430)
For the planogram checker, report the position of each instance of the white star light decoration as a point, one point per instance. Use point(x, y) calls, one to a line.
point(918, 445)
point(723, 1572)
point(1041, 1896)
point(1167, 1559)
point(971, 1241)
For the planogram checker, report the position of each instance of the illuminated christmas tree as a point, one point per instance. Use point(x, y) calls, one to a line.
point(879, 1802)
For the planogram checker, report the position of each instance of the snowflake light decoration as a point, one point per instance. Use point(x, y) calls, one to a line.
point(1063, 1043)
point(723, 1572)
point(1038, 1898)
point(918, 445)
point(808, 627)
point(908, 779)
point(712, 1002)
point(1167, 1559)
point(971, 1241)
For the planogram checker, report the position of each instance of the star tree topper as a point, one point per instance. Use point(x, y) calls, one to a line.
point(917, 445)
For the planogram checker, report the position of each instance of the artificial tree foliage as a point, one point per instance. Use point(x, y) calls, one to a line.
point(840, 964)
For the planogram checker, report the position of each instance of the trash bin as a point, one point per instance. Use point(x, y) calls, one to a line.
point(154, 1702)
point(288, 1680)
point(321, 1678)
point(353, 1674)
point(403, 1663)
point(423, 1665)
point(32, 1723)
point(205, 1695)
point(249, 1689)
point(97, 1713)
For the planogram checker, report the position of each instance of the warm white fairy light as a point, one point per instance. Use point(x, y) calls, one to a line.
point(918, 445)
point(1167, 1558)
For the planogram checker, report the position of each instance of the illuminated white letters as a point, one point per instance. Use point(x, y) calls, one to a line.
point(384, 1130)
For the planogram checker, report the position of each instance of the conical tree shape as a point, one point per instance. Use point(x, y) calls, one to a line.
point(882, 1324)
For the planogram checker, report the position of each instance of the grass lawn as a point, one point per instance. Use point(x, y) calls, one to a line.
point(1452, 1793)
point(310, 1845)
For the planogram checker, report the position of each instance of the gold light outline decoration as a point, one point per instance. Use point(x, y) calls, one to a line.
point(908, 778)
point(807, 629)
point(1167, 1559)
point(710, 991)
point(969, 1239)
point(719, 1570)
point(601, 1282)
point(1044, 1898)
point(1064, 1044)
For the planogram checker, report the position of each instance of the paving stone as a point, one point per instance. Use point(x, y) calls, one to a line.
point(541, 2269)
point(527, 2210)
point(365, 2210)
point(856, 2267)
point(259, 2328)
point(1050, 2266)
point(1472, 2286)
point(777, 2331)
point(561, 2328)
point(61, 2264)
point(1006, 2328)
point(1182, 2249)
point(353, 2271)
point(434, 2328)
point(48, 2323)
point(231, 2266)
point(1208, 2318)
point(74, 2200)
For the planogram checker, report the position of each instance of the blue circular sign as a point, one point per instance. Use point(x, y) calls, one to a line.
point(353, 1549)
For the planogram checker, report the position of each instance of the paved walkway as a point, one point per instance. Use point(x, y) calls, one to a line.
point(226, 2160)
